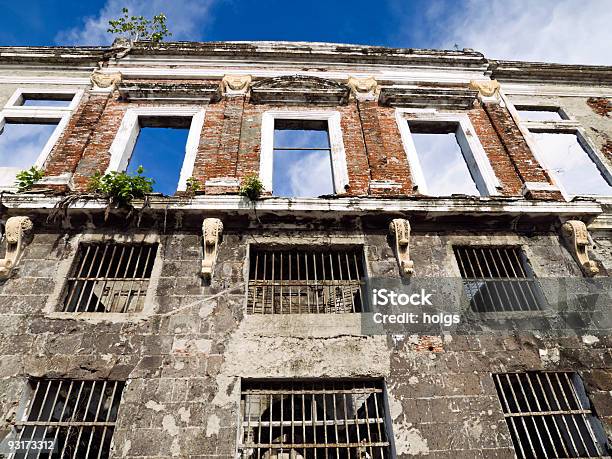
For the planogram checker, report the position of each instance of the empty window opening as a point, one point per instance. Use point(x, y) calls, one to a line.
point(549, 415)
point(77, 416)
point(296, 281)
point(160, 150)
point(109, 277)
point(537, 113)
point(442, 159)
point(566, 157)
point(21, 144)
point(302, 161)
point(498, 279)
point(46, 100)
point(324, 418)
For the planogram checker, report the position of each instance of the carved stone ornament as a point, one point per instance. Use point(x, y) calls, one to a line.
point(486, 88)
point(212, 228)
point(576, 238)
point(400, 230)
point(105, 80)
point(16, 229)
point(236, 85)
point(363, 88)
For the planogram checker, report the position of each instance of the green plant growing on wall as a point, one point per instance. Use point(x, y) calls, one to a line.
point(135, 28)
point(28, 177)
point(251, 187)
point(193, 185)
point(120, 187)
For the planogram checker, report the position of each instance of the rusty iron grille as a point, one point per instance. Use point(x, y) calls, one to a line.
point(549, 415)
point(498, 279)
point(305, 281)
point(314, 419)
point(109, 277)
point(77, 416)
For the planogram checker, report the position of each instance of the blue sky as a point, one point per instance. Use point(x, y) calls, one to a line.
point(572, 31)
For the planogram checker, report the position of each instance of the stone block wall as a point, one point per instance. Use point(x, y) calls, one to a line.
point(185, 362)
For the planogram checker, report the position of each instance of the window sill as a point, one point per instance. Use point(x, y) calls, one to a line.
point(98, 317)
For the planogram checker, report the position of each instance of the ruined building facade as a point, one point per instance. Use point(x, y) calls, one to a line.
point(199, 323)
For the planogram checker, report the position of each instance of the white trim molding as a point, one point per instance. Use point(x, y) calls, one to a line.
point(17, 99)
point(473, 152)
point(125, 140)
point(13, 111)
point(338, 154)
point(33, 116)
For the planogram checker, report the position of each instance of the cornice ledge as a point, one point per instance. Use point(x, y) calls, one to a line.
point(298, 89)
point(586, 209)
point(171, 92)
point(426, 97)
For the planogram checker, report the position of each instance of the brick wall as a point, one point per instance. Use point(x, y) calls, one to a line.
point(230, 144)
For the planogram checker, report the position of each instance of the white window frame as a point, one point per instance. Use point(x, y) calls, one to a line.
point(123, 146)
point(473, 152)
point(568, 125)
point(65, 266)
point(17, 98)
point(40, 114)
point(334, 129)
point(545, 107)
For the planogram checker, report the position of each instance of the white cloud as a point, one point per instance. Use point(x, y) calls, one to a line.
point(187, 20)
point(309, 176)
point(564, 31)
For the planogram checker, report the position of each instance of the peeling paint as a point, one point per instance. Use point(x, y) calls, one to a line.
point(590, 339)
point(408, 440)
point(212, 425)
point(153, 405)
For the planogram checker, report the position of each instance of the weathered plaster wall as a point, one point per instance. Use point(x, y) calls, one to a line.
point(185, 362)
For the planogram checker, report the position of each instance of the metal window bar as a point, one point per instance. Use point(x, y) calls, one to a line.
point(498, 279)
point(77, 416)
point(296, 281)
point(310, 419)
point(549, 415)
point(109, 277)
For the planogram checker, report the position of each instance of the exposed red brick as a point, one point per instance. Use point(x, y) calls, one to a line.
point(68, 151)
point(525, 164)
point(230, 144)
point(387, 159)
point(600, 105)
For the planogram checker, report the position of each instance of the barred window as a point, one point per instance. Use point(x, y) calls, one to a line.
point(309, 419)
point(296, 281)
point(77, 416)
point(549, 415)
point(498, 279)
point(109, 277)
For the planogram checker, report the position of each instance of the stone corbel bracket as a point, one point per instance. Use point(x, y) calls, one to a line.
point(16, 230)
point(235, 85)
point(363, 88)
point(212, 228)
point(105, 82)
point(488, 91)
point(576, 238)
point(400, 231)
